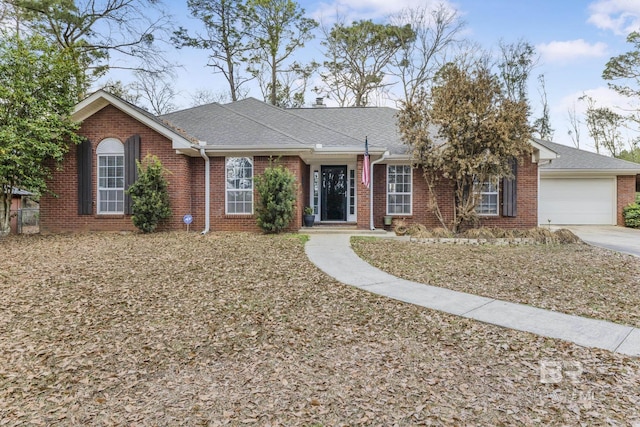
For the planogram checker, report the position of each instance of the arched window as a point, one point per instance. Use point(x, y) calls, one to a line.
point(110, 154)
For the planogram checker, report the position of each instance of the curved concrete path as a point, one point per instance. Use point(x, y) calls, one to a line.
point(332, 253)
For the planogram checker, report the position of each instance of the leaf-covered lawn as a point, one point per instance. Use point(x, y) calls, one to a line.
point(576, 279)
point(237, 329)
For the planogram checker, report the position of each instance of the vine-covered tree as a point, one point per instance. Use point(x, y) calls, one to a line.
point(358, 55)
point(38, 83)
point(465, 130)
point(278, 29)
point(226, 39)
point(150, 195)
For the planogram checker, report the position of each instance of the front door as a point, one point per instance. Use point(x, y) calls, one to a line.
point(334, 193)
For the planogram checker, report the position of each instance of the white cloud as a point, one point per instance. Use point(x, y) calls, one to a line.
point(564, 51)
point(352, 10)
point(619, 16)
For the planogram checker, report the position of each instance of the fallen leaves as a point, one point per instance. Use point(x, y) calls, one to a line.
point(239, 329)
point(573, 278)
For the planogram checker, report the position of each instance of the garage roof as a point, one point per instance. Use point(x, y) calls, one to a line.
point(573, 159)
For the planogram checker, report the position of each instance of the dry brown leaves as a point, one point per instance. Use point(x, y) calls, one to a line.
point(575, 278)
point(236, 329)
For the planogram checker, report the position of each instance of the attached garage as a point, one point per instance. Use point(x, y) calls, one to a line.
point(577, 201)
point(584, 188)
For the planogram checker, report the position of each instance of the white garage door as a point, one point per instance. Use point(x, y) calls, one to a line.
point(577, 201)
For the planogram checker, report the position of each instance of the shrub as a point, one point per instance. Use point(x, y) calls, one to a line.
point(631, 214)
point(478, 233)
point(541, 235)
point(149, 195)
point(276, 189)
point(566, 236)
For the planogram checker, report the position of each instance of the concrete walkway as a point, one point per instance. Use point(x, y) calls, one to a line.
point(620, 239)
point(332, 253)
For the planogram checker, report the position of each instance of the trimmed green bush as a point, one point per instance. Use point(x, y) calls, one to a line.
point(149, 195)
point(631, 214)
point(276, 189)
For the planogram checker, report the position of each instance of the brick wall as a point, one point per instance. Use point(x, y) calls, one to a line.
point(527, 189)
point(220, 221)
point(626, 195)
point(60, 214)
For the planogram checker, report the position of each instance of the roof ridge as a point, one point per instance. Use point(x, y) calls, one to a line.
point(319, 124)
point(288, 112)
point(261, 123)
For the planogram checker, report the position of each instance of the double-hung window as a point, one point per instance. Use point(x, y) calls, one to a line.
point(110, 173)
point(487, 194)
point(399, 180)
point(239, 191)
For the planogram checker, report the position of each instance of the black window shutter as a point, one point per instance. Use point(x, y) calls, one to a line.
point(131, 154)
point(510, 191)
point(84, 156)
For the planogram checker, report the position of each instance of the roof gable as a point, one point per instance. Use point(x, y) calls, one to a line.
point(98, 100)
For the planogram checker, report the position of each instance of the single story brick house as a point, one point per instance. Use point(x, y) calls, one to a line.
point(214, 151)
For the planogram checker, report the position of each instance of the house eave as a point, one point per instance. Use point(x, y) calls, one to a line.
point(560, 173)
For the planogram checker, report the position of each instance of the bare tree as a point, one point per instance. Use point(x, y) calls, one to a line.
point(574, 122)
point(542, 125)
point(157, 90)
point(109, 34)
point(436, 32)
point(604, 127)
point(207, 96)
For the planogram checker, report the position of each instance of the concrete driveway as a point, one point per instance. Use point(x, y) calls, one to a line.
point(621, 239)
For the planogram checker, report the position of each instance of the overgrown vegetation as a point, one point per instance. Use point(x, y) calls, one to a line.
point(536, 235)
point(150, 195)
point(276, 189)
point(631, 214)
point(463, 134)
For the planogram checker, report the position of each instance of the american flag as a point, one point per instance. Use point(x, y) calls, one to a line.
point(366, 171)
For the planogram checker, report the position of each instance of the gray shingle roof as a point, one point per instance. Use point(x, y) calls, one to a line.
point(378, 124)
point(575, 159)
point(250, 122)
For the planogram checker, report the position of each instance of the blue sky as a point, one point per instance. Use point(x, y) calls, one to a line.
point(573, 38)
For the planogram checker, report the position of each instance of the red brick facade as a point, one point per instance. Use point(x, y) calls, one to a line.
point(626, 195)
point(60, 213)
point(527, 190)
point(187, 188)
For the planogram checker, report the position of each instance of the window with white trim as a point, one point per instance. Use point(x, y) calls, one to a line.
point(239, 191)
point(110, 174)
point(399, 184)
point(487, 193)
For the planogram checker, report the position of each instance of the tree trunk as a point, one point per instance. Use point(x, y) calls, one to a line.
point(274, 80)
point(5, 204)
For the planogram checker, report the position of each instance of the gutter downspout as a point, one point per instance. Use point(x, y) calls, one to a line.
point(384, 156)
point(207, 186)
